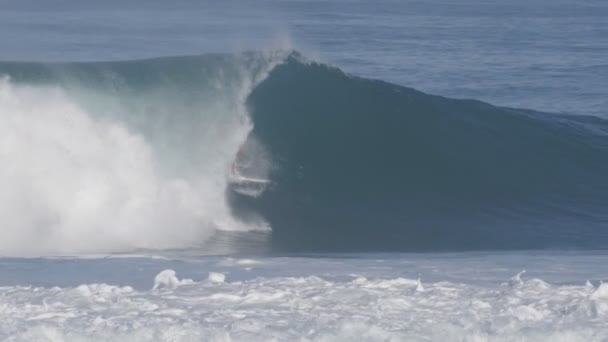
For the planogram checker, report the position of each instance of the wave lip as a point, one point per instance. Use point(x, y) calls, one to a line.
point(362, 164)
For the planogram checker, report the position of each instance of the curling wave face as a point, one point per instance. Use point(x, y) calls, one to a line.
point(362, 164)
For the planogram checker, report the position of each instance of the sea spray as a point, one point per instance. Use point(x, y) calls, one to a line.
point(114, 157)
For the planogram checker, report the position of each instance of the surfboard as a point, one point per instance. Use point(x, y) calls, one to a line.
point(248, 186)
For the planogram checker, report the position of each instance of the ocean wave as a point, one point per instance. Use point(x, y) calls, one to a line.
point(164, 153)
point(362, 164)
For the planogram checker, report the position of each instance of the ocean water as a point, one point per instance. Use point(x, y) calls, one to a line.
point(295, 170)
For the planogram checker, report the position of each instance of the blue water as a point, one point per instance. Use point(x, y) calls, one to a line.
point(537, 54)
point(130, 133)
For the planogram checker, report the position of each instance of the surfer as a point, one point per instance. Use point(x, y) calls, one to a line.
point(242, 184)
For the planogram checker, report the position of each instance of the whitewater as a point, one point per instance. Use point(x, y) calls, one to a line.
point(98, 161)
point(456, 297)
point(278, 171)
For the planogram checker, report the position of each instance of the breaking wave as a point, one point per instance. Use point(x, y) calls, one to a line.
point(119, 156)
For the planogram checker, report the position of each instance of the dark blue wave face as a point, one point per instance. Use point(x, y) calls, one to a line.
point(363, 165)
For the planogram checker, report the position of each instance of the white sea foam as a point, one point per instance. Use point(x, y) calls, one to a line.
point(305, 309)
point(216, 277)
point(73, 184)
point(82, 172)
point(167, 279)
